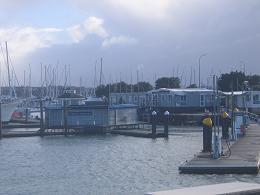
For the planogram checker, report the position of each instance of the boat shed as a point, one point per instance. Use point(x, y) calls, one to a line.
point(123, 114)
point(90, 114)
point(77, 116)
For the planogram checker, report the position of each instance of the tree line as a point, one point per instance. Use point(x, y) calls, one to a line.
point(238, 81)
point(123, 87)
point(235, 80)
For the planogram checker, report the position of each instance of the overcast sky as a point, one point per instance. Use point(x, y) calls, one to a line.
point(157, 38)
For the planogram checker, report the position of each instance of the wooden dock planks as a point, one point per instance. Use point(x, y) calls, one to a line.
point(243, 160)
point(234, 188)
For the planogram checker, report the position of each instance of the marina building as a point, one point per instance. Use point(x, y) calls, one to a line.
point(177, 100)
point(246, 100)
point(81, 113)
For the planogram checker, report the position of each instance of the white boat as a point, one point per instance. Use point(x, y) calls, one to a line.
point(8, 103)
point(7, 111)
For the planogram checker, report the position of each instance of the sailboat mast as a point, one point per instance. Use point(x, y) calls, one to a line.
point(95, 75)
point(100, 78)
point(8, 69)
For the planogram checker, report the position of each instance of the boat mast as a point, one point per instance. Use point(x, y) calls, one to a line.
point(95, 75)
point(100, 78)
point(8, 69)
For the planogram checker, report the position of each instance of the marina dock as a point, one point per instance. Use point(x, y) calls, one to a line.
point(20, 125)
point(138, 133)
point(223, 188)
point(244, 158)
point(30, 130)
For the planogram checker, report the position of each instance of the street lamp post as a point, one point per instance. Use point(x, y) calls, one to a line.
point(202, 55)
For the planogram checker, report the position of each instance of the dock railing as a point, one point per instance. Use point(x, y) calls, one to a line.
point(139, 125)
point(253, 117)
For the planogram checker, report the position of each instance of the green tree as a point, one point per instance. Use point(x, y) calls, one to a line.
point(254, 82)
point(232, 81)
point(142, 87)
point(192, 86)
point(167, 82)
point(122, 87)
point(102, 90)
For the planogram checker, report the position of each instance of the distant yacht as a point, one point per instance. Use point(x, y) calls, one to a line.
point(8, 103)
point(7, 110)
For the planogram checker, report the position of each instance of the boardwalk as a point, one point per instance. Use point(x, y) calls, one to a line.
point(244, 157)
point(224, 188)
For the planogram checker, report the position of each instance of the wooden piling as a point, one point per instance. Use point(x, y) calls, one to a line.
point(26, 114)
point(166, 123)
point(65, 117)
point(154, 124)
point(41, 121)
point(0, 119)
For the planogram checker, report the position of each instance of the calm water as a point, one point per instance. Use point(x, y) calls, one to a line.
point(104, 164)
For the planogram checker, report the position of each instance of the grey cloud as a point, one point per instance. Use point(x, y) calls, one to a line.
point(227, 30)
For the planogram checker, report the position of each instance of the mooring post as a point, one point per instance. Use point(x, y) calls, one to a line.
point(166, 123)
point(26, 114)
point(65, 117)
point(41, 121)
point(154, 124)
point(0, 119)
point(207, 134)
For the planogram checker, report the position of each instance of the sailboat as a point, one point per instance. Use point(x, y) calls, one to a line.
point(8, 103)
point(7, 111)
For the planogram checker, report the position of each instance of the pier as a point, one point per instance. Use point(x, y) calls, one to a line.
point(223, 188)
point(244, 158)
point(138, 133)
point(135, 130)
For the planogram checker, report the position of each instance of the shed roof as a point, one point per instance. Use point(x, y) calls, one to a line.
point(235, 93)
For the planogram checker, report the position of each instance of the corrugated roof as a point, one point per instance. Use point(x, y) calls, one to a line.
point(235, 93)
point(182, 90)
